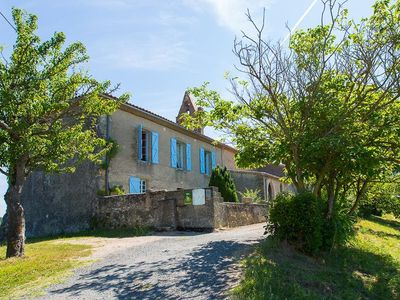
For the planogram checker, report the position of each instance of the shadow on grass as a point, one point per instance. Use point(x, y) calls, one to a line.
point(395, 224)
point(382, 234)
point(278, 272)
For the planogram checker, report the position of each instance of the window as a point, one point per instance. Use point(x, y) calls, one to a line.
point(142, 186)
point(137, 185)
point(208, 167)
point(208, 161)
point(147, 145)
point(180, 155)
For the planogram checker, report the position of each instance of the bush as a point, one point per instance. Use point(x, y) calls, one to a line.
point(338, 230)
point(221, 178)
point(301, 221)
point(253, 194)
point(298, 219)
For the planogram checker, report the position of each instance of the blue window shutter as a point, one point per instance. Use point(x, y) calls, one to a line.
point(188, 158)
point(202, 162)
point(139, 140)
point(213, 160)
point(134, 185)
point(154, 147)
point(173, 153)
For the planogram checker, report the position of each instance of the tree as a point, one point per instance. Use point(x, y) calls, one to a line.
point(49, 111)
point(222, 179)
point(327, 107)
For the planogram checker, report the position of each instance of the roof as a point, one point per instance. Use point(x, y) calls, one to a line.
point(256, 173)
point(134, 109)
point(276, 170)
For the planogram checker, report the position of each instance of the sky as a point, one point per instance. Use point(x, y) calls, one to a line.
point(157, 49)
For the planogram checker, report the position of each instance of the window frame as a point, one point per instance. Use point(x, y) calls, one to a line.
point(207, 162)
point(143, 186)
point(180, 155)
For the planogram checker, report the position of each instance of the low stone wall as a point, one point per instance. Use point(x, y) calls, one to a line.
point(167, 210)
point(239, 214)
point(153, 209)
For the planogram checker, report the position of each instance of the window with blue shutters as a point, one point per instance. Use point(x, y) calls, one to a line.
point(147, 145)
point(208, 161)
point(180, 155)
point(137, 185)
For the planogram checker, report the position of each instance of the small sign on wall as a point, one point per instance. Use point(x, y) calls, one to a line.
point(188, 198)
point(198, 197)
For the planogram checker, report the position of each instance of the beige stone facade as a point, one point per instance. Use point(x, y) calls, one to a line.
point(123, 128)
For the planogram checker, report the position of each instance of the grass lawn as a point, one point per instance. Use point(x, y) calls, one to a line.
point(47, 261)
point(367, 268)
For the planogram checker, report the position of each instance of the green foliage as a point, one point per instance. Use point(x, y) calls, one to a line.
point(112, 151)
point(50, 105)
point(366, 268)
point(221, 178)
point(253, 194)
point(327, 108)
point(382, 198)
point(301, 221)
point(114, 190)
point(298, 219)
point(117, 190)
point(338, 230)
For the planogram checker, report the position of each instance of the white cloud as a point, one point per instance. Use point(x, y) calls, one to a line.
point(153, 53)
point(231, 13)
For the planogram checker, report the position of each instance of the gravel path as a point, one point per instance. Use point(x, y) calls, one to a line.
point(175, 265)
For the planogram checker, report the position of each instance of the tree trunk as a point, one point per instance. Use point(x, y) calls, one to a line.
point(359, 195)
point(15, 212)
point(331, 197)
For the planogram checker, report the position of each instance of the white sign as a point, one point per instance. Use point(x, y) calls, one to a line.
point(199, 197)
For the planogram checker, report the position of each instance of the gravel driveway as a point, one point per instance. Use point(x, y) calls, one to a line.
point(175, 265)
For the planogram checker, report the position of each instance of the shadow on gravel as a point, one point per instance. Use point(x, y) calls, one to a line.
point(207, 273)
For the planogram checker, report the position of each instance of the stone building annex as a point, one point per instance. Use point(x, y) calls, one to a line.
point(154, 154)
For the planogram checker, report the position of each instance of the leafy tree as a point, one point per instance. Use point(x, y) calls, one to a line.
point(382, 196)
point(222, 179)
point(49, 110)
point(327, 107)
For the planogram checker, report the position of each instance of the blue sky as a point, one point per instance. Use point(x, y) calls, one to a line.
point(156, 49)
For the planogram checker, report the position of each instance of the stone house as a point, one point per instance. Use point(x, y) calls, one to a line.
point(154, 154)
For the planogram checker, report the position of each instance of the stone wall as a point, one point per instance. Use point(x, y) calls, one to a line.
point(163, 210)
point(153, 209)
point(269, 186)
point(59, 203)
point(239, 214)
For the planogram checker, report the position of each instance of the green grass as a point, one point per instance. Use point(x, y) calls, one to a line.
point(49, 260)
point(45, 263)
point(367, 268)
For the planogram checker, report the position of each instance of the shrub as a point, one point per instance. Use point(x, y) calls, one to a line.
point(301, 221)
point(253, 194)
point(298, 219)
point(221, 178)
